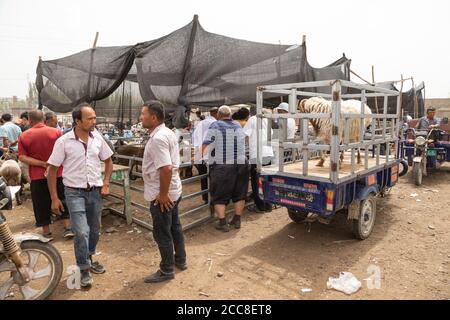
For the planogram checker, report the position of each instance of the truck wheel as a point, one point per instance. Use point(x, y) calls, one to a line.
point(362, 228)
point(404, 171)
point(297, 216)
point(417, 173)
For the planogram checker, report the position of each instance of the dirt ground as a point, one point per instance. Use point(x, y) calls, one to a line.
point(271, 257)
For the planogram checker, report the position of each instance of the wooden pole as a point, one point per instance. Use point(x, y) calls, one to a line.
point(95, 41)
point(416, 104)
point(355, 74)
point(40, 106)
point(376, 98)
point(401, 96)
point(397, 81)
point(90, 67)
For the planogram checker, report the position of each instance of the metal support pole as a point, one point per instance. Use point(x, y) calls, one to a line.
point(293, 101)
point(259, 114)
point(305, 150)
point(385, 107)
point(335, 121)
point(363, 112)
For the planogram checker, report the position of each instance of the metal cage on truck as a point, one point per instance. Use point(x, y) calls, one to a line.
point(297, 184)
point(384, 130)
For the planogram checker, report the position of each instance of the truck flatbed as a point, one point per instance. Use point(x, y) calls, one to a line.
point(324, 172)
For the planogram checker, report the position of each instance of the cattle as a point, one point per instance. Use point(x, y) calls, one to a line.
point(130, 150)
point(323, 126)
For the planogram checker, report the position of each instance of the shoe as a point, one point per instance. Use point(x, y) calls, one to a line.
point(236, 223)
point(48, 236)
point(68, 234)
point(86, 278)
point(158, 276)
point(182, 266)
point(96, 267)
point(254, 208)
point(268, 210)
point(223, 227)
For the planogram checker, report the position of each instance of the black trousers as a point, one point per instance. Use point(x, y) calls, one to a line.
point(42, 202)
point(259, 203)
point(202, 169)
point(168, 234)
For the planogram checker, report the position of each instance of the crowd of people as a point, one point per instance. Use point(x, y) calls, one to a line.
point(68, 180)
point(70, 170)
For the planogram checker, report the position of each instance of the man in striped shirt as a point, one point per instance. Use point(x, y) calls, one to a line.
point(229, 172)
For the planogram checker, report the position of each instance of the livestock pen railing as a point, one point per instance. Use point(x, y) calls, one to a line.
point(384, 130)
point(132, 162)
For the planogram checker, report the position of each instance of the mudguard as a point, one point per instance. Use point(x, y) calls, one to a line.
point(21, 237)
point(364, 193)
point(417, 159)
point(354, 207)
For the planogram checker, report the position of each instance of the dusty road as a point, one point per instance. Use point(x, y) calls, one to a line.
point(270, 257)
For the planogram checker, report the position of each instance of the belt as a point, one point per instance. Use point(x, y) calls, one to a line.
point(92, 188)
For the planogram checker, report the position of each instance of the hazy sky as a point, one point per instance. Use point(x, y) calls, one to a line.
point(409, 37)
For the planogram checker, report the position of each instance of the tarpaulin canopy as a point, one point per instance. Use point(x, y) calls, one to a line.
point(413, 100)
point(189, 66)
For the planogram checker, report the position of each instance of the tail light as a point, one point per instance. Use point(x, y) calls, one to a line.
point(260, 188)
point(394, 174)
point(371, 179)
point(330, 200)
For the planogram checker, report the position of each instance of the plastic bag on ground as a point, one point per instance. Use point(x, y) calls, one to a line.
point(346, 283)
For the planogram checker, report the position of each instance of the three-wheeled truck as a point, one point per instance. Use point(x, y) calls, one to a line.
point(317, 193)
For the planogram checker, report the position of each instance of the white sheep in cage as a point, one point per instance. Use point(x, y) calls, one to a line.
point(322, 127)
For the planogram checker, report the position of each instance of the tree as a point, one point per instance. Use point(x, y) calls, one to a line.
point(32, 96)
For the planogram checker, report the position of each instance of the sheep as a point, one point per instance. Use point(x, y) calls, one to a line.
point(11, 172)
point(322, 127)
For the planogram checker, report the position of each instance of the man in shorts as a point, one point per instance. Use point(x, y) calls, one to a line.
point(229, 172)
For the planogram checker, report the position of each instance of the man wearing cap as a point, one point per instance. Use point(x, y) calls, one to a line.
point(198, 136)
point(282, 109)
point(428, 122)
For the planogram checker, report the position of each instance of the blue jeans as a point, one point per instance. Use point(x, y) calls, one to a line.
point(168, 234)
point(85, 212)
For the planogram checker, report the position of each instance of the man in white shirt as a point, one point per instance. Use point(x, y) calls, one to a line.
point(251, 132)
point(283, 108)
point(162, 188)
point(81, 152)
point(291, 128)
point(198, 136)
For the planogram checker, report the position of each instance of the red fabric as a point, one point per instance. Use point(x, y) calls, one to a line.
point(37, 143)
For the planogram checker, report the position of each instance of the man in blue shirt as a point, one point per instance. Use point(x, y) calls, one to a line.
point(9, 133)
point(429, 121)
point(229, 174)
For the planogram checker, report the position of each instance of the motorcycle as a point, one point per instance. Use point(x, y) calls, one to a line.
point(30, 267)
point(424, 151)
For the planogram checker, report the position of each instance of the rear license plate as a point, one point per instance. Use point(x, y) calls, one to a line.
point(294, 195)
point(431, 153)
